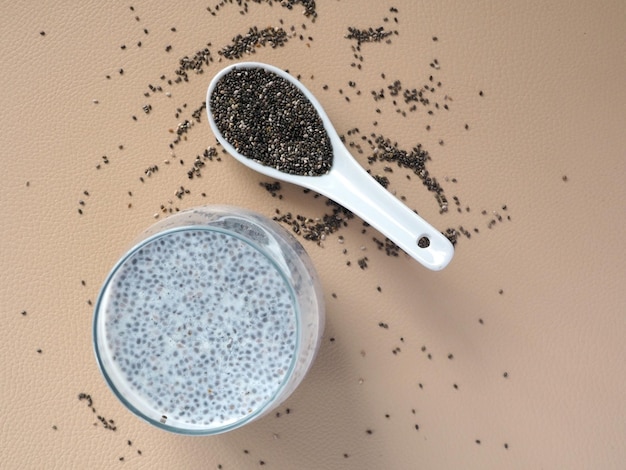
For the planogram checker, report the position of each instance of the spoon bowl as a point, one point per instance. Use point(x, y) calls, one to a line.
point(348, 184)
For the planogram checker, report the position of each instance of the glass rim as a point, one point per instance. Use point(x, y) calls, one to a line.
point(97, 318)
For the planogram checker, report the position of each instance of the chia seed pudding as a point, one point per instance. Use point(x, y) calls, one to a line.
point(210, 321)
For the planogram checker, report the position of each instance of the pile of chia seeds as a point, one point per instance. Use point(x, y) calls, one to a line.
point(201, 327)
point(255, 38)
point(368, 35)
point(269, 120)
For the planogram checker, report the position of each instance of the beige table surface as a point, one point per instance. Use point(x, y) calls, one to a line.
point(512, 357)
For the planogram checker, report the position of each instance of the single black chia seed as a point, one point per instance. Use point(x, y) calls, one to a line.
point(269, 120)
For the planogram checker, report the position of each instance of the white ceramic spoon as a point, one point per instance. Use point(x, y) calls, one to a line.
point(348, 184)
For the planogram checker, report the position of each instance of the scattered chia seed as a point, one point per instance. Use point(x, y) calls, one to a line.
point(244, 100)
point(196, 63)
point(181, 191)
point(390, 248)
point(271, 188)
point(316, 229)
point(110, 424)
point(368, 35)
point(383, 180)
point(363, 262)
point(107, 424)
point(248, 43)
point(87, 398)
point(198, 112)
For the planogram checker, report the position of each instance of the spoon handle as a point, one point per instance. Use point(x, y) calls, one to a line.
point(352, 187)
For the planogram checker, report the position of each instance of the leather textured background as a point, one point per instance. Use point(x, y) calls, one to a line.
point(512, 357)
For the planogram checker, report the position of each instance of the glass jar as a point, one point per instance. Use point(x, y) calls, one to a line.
point(209, 321)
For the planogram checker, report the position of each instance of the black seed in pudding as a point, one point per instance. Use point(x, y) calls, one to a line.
point(268, 119)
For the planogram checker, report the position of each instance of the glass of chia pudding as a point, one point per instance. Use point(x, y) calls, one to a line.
point(210, 320)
